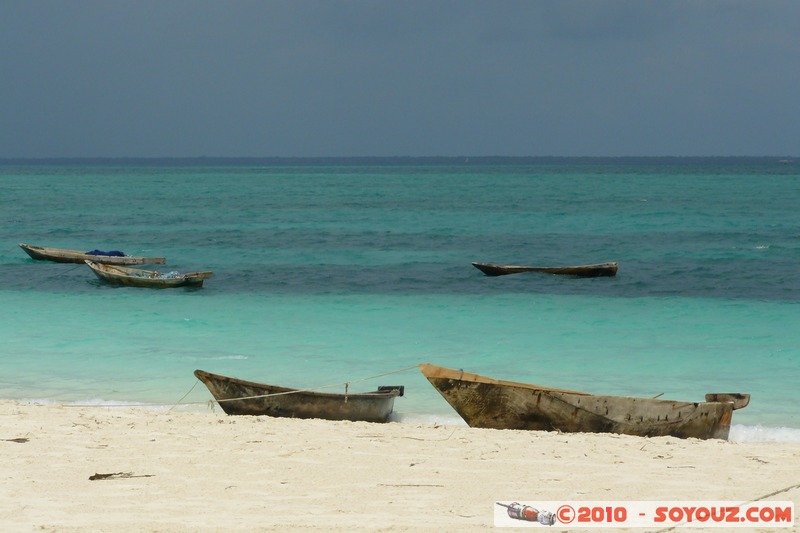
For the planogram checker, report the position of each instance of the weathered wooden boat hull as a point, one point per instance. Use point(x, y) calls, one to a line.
point(582, 271)
point(58, 255)
point(240, 397)
point(137, 277)
point(489, 403)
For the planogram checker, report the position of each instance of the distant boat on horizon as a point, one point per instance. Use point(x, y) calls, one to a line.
point(582, 271)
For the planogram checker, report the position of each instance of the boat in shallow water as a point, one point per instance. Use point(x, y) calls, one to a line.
point(151, 279)
point(582, 271)
point(491, 403)
point(240, 397)
point(60, 255)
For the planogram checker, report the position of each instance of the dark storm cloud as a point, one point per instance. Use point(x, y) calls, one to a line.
point(343, 78)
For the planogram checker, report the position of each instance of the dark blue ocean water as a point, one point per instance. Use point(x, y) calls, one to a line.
point(327, 273)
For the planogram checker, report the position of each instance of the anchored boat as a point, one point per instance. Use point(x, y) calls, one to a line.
point(60, 255)
point(151, 279)
point(582, 271)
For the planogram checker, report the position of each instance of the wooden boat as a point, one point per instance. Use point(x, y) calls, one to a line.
point(137, 277)
point(239, 397)
point(40, 253)
point(491, 403)
point(583, 271)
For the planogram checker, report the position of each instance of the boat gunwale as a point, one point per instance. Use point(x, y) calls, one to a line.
point(388, 393)
point(430, 370)
point(434, 371)
point(609, 264)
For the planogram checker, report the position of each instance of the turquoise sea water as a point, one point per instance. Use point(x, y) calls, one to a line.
point(326, 274)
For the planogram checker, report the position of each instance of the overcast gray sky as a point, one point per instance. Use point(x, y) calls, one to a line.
point(297, 78)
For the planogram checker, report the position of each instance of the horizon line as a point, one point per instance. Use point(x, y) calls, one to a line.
point(282, 160)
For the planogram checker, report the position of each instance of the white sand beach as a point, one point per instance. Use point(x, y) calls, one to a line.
point(207, 471)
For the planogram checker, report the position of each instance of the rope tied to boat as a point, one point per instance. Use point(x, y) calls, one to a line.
point(171, 406)
point(313, 389)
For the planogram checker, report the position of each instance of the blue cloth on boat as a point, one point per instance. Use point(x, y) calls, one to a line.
point(112, 253)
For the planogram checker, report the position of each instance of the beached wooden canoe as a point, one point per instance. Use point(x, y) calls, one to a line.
point(239, 397)
point(583, 271)
point(491, 403)
point(59, 255)
point(152, 279)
